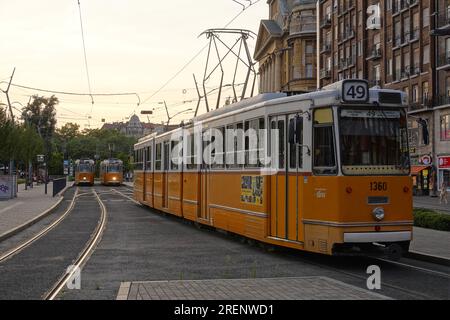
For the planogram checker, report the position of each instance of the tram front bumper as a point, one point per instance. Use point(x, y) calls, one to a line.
point(377, 237)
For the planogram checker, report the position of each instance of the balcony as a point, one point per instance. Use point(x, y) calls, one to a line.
point(401, 5)
point(325, 74)
point(415, 35)
point(326, 22)
point(406, 72)
point(347, 62)
point(376, 53)
point(444, 61)
point(398, 41)
point(375, 83)
point(416, 70)
point(346, 35)
point(442, 100)
point(326, 48)
point(297, 28)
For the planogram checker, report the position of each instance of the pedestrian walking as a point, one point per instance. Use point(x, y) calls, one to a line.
point(443, 195)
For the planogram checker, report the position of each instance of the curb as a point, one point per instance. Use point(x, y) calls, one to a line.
point(31, 222)
point(427, 258)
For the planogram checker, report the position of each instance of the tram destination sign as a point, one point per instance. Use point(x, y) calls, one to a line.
point(355, 91)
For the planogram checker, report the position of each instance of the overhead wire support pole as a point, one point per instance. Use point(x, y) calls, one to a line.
point(199, 95)
point(222, 73)
point(7, 95)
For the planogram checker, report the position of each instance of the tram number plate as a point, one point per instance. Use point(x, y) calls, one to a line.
point(378, 186)
point(355, 91)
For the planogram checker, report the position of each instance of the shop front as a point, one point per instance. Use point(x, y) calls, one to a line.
point(421, 180)
point(444, 171)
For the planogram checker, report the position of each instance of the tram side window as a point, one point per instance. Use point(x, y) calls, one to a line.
point(296, 143)
point(166, 159)
point(158, 157)
point(281, 145)
point(174, 156)
point(219, 142)
point(254, 142)
point(149, 158)
point(324, 147)
point(240, 152)
point(191, 155)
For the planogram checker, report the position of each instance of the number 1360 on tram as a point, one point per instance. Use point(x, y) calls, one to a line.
point(338, 180)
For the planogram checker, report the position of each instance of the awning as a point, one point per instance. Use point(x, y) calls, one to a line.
point(415, 170)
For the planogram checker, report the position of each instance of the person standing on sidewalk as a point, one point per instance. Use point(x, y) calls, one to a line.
point(443, 196)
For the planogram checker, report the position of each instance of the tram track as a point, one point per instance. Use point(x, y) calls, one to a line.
point(38, 268)
point(84, 256)
point(43, 232)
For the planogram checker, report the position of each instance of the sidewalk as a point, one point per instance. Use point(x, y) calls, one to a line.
point(431, 242)
point(26, 207)
point(431, 203)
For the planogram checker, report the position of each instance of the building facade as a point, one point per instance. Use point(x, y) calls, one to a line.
point(135, 128)
point(286, 47)
point(390, 43)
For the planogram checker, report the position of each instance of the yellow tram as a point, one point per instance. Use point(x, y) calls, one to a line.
point(84, 172)
point(338, 180)
point(111, 172)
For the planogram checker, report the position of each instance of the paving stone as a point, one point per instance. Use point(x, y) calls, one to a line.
point(302, 288)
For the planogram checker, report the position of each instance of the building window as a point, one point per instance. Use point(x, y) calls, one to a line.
point(426, 54)
point(389, 67)
point(415, 93)
point(445, 127)
point(309, 70)
point(406, 90)
point(425, 93)
point(426, 17)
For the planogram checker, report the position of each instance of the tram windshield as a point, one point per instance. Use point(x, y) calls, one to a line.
point(114, 168)
point(84, 167)
point(374, 142)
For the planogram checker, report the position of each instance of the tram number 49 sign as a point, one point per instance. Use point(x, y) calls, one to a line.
point(355, 91)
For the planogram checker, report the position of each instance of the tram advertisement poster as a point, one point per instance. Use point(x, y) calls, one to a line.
point(252, 189)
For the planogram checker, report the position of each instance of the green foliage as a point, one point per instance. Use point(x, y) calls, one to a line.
point(41, 115)
point(431, 220)
point(98, 142)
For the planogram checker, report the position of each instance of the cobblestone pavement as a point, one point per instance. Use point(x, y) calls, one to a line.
point(28, 205)
point(301, 288)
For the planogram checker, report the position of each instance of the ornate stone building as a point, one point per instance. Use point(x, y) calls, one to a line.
point(135, 128)
point(286, 47)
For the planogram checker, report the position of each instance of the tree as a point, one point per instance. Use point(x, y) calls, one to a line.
point(41, 114)
point(69, 131)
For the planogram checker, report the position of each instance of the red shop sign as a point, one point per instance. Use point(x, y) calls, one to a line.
point(444, 163)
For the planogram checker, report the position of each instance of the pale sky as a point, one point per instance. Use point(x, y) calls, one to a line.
point(132, 46)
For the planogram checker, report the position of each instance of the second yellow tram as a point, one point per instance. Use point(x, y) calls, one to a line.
point(111, 172)
point(338, 181)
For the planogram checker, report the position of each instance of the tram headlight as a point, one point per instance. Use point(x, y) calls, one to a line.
point(378, 214)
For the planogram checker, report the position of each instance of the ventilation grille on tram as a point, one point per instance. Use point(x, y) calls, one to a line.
point(378, 200)
point(390, 98)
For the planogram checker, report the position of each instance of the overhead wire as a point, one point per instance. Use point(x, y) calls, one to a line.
point(85, 56)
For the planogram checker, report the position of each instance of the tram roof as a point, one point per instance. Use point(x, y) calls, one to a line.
point(328, 96)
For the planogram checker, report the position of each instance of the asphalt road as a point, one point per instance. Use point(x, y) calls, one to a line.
point(140, 244)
